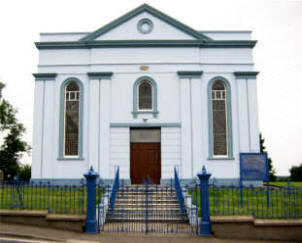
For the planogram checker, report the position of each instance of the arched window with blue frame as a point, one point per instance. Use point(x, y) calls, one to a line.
point(220, 119)
point(71, 117)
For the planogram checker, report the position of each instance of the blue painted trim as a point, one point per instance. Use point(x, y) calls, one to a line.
point(156, 13)
point(145, 124)
point(100, 75)
point(189, 74)
point(71, 159)
point(145, 43)
point(141, 23)
point(244, 75)
point(229, 119)
point(221, 158)
point(62, 117)
point(136, 113)
point(44, 76)
point(154, 110)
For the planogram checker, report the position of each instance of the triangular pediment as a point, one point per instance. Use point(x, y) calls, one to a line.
point(145, 23)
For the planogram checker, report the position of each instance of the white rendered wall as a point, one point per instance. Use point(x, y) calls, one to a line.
point(37, 148)
point(181, 101)
point(170, 151)
point(62, 36)
point(228, 35)
point(119, 152)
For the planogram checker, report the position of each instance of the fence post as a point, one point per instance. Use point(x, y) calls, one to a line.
point(91, 222)
point(205, 225)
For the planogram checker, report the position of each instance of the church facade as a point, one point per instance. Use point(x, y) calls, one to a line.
point(144, 93)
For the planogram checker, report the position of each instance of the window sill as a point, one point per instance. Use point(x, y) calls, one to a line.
point(221, 158)
point(69, 159)
point(136, 113)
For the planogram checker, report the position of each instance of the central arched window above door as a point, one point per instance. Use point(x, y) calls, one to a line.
point(145, 97)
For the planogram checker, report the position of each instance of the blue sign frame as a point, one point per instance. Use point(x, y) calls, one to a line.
point(254, 166)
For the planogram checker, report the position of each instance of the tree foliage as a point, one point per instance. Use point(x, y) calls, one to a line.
point(296, 173)
point(13, 145)
point(271, 170)
point(25, 173)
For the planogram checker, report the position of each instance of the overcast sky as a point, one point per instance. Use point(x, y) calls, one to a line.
point(277, 25)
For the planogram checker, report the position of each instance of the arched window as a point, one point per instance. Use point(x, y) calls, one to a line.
point(220, 118)
point(145, 96)
point(71, 119)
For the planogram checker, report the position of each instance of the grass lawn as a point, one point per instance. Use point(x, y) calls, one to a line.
point(55, 199)
point(283, 183)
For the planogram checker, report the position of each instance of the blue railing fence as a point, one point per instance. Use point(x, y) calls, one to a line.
point(200, 199)
point(114, 190)
point(62, 199)
point(277, 202)
point(179, 193)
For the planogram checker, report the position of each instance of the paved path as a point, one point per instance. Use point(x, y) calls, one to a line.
point(30, 233)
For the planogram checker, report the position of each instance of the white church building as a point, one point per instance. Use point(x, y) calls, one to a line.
point(144, 93)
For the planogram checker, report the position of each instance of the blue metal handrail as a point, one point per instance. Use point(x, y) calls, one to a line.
point(179, 194)
point(114, 190)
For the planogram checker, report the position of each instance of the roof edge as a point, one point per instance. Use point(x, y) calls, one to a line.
point(146, 43)
point(152, 11)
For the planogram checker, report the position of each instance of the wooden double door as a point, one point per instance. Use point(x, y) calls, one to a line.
point(145, 157)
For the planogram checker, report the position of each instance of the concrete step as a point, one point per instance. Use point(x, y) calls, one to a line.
point(139, 200)
point(150, 219)
point(132, 212)
point(144, 186)
point(135, 194)
point(131, 206)
point(143, 207)
point(153, 227)
point(143, 204)
point(146, 193)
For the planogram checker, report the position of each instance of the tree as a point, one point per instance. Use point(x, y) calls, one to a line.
point(12, 131)
point(25, 173)
point(296, 173)
point(271, 170)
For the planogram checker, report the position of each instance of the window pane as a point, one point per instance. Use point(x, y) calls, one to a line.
point(72, 86)
point(218, 85)
point(71, 121)
point(72, 95)
point(145, 96)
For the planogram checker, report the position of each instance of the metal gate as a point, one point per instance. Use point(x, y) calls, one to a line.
point(145, 208)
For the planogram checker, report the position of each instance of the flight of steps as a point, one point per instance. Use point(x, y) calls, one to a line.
point(138, 203)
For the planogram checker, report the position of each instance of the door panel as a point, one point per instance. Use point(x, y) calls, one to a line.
point(145, 163)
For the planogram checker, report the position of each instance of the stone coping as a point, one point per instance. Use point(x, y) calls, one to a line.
point(23, 212)
point(43, 213)
point(231, 219)
point(256, 222)
point(278, 222)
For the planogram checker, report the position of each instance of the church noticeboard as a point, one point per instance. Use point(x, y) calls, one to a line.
point(253, 166)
